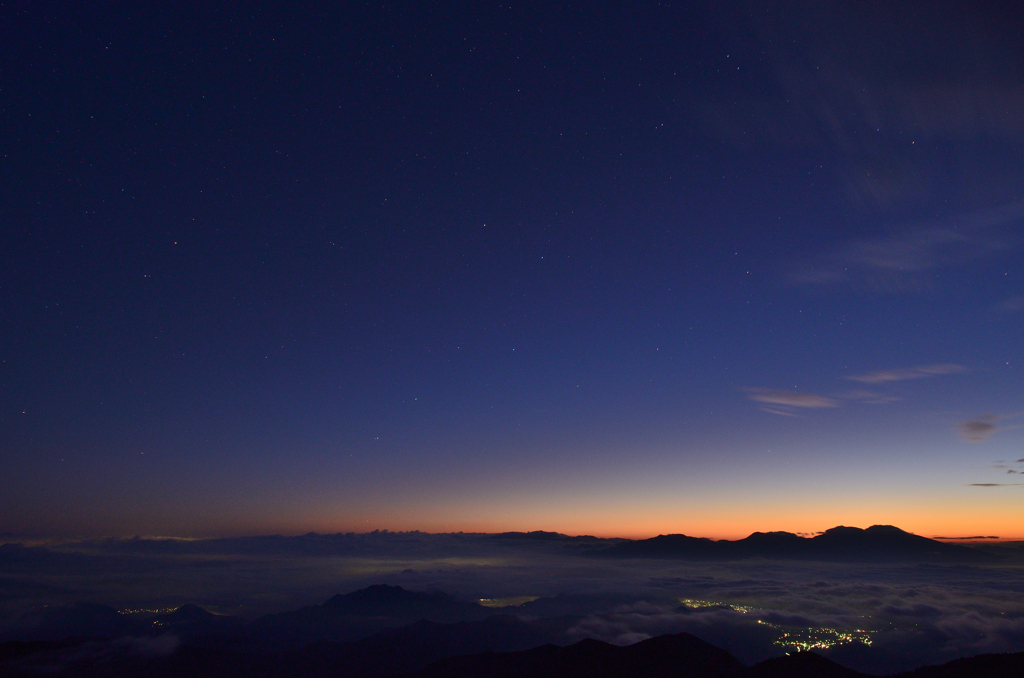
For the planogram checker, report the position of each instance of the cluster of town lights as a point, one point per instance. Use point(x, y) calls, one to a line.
point(700, 604)
point(800, 639)
point(817, 637)
point(148, 610)
point(803, 639)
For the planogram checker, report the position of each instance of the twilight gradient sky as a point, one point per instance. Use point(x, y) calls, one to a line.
point(618, 269)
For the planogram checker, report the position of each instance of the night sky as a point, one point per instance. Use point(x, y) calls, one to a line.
point(607, 268)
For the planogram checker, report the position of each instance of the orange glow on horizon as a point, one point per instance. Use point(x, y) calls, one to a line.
point(962, 531)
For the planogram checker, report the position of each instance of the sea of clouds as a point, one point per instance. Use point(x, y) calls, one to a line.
point(914, 614)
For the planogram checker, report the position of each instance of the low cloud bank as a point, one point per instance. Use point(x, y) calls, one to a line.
point(916, 613)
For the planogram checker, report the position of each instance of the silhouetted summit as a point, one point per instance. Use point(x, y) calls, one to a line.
point(382, 599)
point(671, 546)
point(1009, 665)
point(684, 656)
point(409, 652)
point(193, 621)
point(802, 665)
point(188, 613)
point(85, 620)
point(360, 613)
point(671, 655)
point(881, 541)
point(877, 543)
point(772, 545)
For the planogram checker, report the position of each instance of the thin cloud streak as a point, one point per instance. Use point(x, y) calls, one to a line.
point(978, 430)
point(993, 484)
point(924, 250)
point(790, 398)
point(898, 262)
point(871, 397)
point(1011, 305)
point(780, 412)
point(921, 372)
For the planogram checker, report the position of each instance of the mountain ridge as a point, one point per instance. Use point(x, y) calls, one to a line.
point(885, 543)
point(496, 646)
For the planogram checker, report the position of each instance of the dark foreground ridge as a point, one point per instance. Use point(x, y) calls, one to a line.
point(413, 653)
point(879, 543)
point(669, 655)
point(192, 642)
point(684, 656)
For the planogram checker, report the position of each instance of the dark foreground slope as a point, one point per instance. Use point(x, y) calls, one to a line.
point(670, 655)
point(429, 650)
point(1009, 665)
point(684, 656)
point(391, 652)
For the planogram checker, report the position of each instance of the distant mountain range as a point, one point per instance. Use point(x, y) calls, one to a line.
point(359, 614)
point(882, 543)
point(879, 542)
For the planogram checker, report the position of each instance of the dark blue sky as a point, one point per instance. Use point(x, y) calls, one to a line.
point(589, 268)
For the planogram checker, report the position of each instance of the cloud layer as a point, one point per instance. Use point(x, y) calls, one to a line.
point(790, 398)
point(918, 614)
point(909, 373)
point(978, 430)
point(900, 261)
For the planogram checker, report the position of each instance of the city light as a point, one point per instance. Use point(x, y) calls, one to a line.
point(147, 610)
point(816, 637)
point(694, 604)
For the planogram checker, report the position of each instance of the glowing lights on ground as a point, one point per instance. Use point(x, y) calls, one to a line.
point(817, 638)
point(702, 604)
point(148, 610)
point(512, 601)
point(791, 637)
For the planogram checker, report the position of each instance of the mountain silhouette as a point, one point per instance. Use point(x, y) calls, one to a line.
point(879, 543)
point(405, 650)
point(389, 653)
point(85, 620)
point(801, 665)
point(777, 545)
point(381, 600)
point(685, 656)
point(670, 546)
point(680, 655)
point(192, 621)
point(498, 647)
point(186, 614)
point(1010, 665)
point(358, 614)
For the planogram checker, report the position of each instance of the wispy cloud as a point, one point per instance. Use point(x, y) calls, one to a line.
point(898, 262)
point(978, 430)
point(921, 372)
point(780, 401)
point(871, 397)
point(778, 411)
point(1011, 305)
point(1012, 467)
point(994, 484)
point(924, 249)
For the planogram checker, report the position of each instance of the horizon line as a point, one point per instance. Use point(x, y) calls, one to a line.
point(10, 537)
